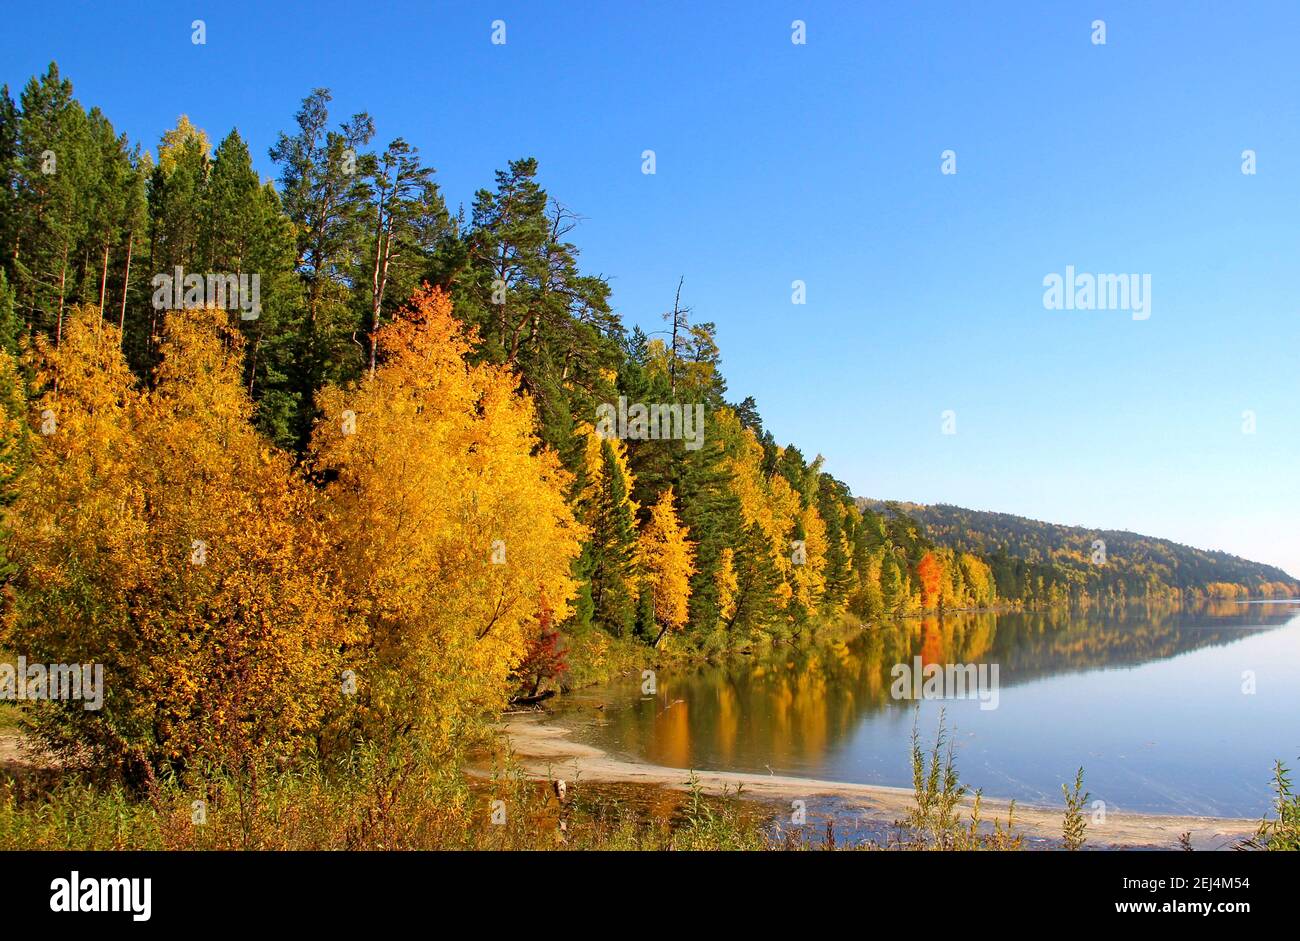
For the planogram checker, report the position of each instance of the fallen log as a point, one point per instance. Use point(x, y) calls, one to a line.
point(532, 700)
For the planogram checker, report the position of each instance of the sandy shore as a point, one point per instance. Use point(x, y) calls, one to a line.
point(545, 750)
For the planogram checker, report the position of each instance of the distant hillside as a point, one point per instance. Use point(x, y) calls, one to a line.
point(1033, 560)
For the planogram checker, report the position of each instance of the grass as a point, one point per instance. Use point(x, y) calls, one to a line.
point(1075, 827)
point(374, 802)
point(1282, 833)
point(377, 801)
point(937, 793)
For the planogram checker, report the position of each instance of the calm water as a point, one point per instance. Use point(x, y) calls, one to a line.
point(1149, 701)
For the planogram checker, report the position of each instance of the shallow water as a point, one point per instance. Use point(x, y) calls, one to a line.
point(1154, 703)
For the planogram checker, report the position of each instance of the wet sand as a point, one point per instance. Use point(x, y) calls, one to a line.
point(546, 750)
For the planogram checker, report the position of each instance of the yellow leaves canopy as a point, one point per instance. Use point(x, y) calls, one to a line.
point(450, 521)
point(159, 537)
point(667, 562)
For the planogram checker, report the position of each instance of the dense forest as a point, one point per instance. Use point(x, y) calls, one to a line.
point(1041, 562)
point(394, 459)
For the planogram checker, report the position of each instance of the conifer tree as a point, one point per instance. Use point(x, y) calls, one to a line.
point(610, 515)
point(517, 279)
point(325, 192)
point(54, 167)
point(407, 222)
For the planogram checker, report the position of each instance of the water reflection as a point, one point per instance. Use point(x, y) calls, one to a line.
point(1149, 699)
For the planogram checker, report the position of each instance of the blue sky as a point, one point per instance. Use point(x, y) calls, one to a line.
point(821, 162)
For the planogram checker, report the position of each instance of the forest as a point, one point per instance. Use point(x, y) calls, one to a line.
point(392, 464)
point(1041, 563)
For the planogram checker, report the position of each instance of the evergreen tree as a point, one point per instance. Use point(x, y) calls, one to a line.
point(244, 231)
point(108, 180)
point(325, 192)
point(408, 221)
point(519, 283)
point(54, 164)
point(831, 497)
point(757, 580)
point(9, 326)
point(611, 547)
point(9, 221)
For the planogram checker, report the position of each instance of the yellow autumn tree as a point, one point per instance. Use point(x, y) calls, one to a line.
point(175, 139)
point(450, 523)
point(158, 536)
point(808, 579)
point(753, 490)
point(666, 559)
point(727, 584)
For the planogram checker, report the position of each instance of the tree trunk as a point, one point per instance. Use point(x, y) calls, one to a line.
point(672, 353)
point(103, 284)
point(252, 365)
point(126, 282)
point(63, 279)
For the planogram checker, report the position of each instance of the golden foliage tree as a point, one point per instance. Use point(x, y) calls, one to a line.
point(727, 584)
point(667, 562)
point(450, 523)
point(157, 535)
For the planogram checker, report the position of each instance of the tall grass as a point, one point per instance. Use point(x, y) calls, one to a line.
point(372, 802)
point(376, 800)
point(937, 793)
point(1282, 833)
point(1075, 827)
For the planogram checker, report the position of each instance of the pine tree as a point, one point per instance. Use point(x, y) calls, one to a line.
point(244, 231)
point(610, 516)
point(892, 588)
point(710, 509)
point(831, 498)
point(9, 221)
point(757, 581)
point(325, 192)
point(175, 194)
point(408, 220)
point(518, 281)
point(133, 284)
point(54, 170)
point(109, 186)
point(10, 328)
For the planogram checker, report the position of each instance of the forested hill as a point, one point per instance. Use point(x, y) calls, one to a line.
point(1031, 558)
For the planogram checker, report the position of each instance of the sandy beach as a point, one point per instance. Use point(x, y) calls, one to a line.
point(546, 750)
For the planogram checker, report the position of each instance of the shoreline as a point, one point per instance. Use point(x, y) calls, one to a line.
point(545, 750)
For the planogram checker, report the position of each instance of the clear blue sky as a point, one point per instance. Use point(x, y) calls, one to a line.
point(821, 162)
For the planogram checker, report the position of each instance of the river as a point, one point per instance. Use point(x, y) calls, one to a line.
point(1168, 710)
